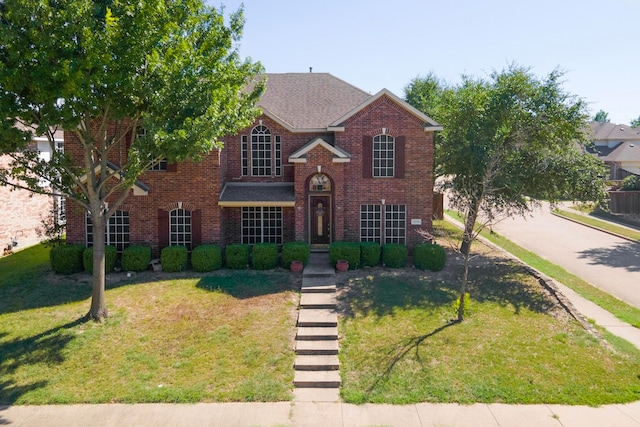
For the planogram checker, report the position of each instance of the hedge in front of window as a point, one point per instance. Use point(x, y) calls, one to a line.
point(237, 256)
point(349, 251)
point(427, 256)
point(136, 258)
point(370, 254)
point(66, 259)
point(206, 258)
point(110, 259)
point(394, 255)
point(295, 251)
point(264, 256)
point(174, 258)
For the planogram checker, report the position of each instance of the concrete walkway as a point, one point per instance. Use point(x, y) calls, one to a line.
point(320, 414)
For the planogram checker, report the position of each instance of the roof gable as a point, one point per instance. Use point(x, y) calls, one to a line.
point(339, 155)
point(429, 123)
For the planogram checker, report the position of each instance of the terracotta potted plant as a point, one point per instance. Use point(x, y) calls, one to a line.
point(297, 266)
point(342, 265)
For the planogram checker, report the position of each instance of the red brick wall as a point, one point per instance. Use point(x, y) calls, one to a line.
point(414, 190)
point(20, 213)
point(198, 185)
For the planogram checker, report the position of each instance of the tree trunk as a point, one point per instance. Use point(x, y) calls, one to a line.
point(463, 288)
point(98, 310)
point(465, 248)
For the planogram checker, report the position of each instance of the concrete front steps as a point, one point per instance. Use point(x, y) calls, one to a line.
point(316, 365)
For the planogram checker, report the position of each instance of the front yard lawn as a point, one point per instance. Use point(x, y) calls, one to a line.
point(220, 337)
point(400, 345)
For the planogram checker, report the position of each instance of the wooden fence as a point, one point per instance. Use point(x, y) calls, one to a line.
point(624, 202)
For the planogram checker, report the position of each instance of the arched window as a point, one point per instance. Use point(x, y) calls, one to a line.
point(383, 156)
point(266, 153)
point(261, 161)
point(320, 182)
point(180, 228)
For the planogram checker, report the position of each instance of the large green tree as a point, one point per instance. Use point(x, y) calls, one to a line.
point(103, 71)
point(508, 141)
point(601, 116)
point(635, 122)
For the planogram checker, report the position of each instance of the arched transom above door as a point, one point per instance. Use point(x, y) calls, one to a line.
point(320, 183)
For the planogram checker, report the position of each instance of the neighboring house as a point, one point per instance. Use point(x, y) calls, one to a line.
point(618, 146)
point(325, 162)
point(21, 211)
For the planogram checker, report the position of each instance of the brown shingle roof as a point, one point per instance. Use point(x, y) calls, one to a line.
point(258, 194)
point(612, 132)
point(309, 100)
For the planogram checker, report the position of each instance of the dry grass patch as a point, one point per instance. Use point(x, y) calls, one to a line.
point(221, 337)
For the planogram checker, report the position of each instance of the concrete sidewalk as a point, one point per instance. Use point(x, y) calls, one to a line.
point(310, 414)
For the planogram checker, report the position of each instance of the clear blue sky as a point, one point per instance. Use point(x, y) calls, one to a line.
point(376, 44)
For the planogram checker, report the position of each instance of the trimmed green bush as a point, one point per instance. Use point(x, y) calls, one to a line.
point(110, 259)
point(136, 258)
point(237, 256)
point(349, 251)
point(394, 255)
point(295, 251)
point(206, 258)
point(264, 256)
point(428, 256)
point(66, 259)
point(631, 183)
point(174, 258)
point(370, 254)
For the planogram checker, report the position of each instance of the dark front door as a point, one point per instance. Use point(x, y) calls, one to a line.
point(320, 219)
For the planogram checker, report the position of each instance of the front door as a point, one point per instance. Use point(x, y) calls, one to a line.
point(320, 219)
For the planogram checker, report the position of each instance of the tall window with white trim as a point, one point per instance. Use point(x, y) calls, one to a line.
point(262, 225)
point(395, 224)
point(180, 228)
point(261, 161)
point(116, 230)
point(370, 223)
point(383, 224)
point(383, 156)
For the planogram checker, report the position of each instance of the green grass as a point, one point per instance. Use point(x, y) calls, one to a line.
point(169, 338)
point(618, 308)
point(400, 346)
point(602, 225)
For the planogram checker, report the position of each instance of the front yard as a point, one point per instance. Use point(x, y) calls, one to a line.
point(189, 339)
point(228, 336)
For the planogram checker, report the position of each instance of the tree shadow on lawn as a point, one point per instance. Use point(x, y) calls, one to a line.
point(44, 348)
point(380, 291)
point(399, 350)
point(244, 284)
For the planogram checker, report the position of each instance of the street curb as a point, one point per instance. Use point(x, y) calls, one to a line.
point(612, 233)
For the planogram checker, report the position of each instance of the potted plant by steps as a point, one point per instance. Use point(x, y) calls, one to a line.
point(296, 266)
point(342, 265)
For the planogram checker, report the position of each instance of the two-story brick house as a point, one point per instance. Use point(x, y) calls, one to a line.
point(325, 162)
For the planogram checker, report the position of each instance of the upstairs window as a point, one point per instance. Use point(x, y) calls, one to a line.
point(265, 151)
point(162, 164)
point(383, 156)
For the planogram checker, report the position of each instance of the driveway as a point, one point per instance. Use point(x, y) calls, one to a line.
point(610, 263)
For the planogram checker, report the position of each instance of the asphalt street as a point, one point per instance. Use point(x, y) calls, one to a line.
point(607, 262)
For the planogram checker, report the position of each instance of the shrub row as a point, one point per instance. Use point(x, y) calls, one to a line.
point(69, 259)
point(426, 256)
